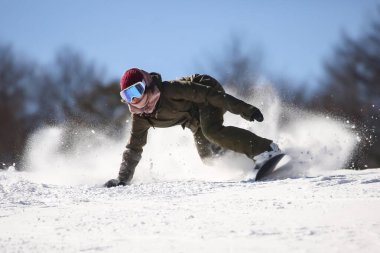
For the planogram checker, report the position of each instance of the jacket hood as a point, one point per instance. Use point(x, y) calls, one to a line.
point(156, 78)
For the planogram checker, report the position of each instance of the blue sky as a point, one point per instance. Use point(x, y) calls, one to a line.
point(175, 38)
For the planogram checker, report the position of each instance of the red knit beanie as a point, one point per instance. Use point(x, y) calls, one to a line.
point(131, 76)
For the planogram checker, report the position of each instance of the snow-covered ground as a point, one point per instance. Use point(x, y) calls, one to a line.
point(178, 204)
point(338, 212)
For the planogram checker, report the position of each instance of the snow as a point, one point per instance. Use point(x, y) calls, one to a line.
point(337, 211)
point(178, 204)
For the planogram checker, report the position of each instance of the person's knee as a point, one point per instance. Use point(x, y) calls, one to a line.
point(212, 132)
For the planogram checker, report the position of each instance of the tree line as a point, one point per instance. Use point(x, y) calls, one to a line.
point(70, 90)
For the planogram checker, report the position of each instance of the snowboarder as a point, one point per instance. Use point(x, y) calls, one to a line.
point(197, 102)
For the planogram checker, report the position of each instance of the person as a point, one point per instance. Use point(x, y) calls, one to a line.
point(197, 102)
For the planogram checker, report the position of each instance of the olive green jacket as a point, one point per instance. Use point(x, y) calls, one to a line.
point(177, 105)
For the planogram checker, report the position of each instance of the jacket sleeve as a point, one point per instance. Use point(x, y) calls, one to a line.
point(134, 148)
point(203, 94)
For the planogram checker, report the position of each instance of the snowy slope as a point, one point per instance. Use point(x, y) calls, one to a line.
point(338, 212)
point(178, 204)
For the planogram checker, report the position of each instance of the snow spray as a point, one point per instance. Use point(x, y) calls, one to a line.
point(314, 144)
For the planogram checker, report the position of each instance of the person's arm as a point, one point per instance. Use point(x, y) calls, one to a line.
point(132, 154)
point(134, 148)
point(199, 93)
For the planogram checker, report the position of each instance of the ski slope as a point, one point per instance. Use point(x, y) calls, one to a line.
point(178, 204)
point(338, 212)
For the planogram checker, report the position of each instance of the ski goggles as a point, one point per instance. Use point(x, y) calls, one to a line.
point(134, 91)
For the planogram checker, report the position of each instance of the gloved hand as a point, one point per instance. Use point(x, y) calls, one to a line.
point(114, 183)
point(257, 115)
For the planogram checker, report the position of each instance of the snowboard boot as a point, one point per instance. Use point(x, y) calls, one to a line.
point(263, 157)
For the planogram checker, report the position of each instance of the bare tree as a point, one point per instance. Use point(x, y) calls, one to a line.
point(14, 107)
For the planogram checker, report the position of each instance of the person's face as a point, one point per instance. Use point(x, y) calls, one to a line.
point(133, 91)
point(136, 100)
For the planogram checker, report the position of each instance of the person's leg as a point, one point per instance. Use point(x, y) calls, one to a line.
point(206, 149)
point(229, 137)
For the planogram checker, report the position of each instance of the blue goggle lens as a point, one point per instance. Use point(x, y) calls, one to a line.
point(134, 91)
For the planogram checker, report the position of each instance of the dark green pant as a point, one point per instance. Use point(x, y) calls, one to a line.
point(212, 138)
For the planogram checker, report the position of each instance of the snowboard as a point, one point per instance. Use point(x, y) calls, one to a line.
point(267, 167)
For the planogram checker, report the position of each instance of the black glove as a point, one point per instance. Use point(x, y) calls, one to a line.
point(114, 183)
point(257, 115)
